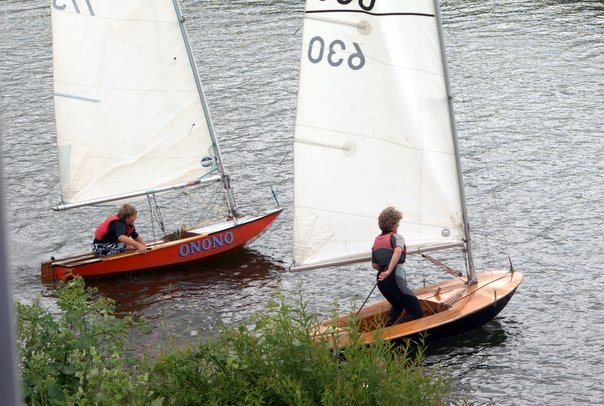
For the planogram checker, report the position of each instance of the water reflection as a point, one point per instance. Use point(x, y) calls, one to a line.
point(492, 334)
point(222, 276)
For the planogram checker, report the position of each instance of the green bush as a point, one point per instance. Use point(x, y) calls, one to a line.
point(280, 362)
point(76, 358)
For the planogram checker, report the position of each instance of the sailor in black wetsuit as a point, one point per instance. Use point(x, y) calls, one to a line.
point(387, 256)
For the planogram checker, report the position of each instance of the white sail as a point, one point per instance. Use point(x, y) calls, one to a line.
point(129, 112)
point(372, 130)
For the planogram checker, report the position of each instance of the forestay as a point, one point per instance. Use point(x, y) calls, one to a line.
point(373, 129)
point(129, 111)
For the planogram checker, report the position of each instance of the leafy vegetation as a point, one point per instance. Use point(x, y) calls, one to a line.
point(77, 358)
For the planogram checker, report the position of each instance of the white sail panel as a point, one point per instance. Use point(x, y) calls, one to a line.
point(128, 112)
point(372, 130)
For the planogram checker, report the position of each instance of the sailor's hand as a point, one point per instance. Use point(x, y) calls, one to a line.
point(383, 275)
point(142, 249)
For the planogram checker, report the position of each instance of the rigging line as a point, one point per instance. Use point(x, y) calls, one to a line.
point(464, 111)
point(160, 217)
point(156, 213)
point(283, 159)
point(482, 145)
point(368, 296)
point(443, 266)
point(436, 293)
point(152, 221)
point(275, 197)
point(456, 297)
point(220, 72)
point(229, 199)
point(210, 204)
point(481, 287)
point(437, 306)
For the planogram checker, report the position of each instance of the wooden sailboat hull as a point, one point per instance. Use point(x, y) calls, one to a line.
point(193, 245)
point(450, 308)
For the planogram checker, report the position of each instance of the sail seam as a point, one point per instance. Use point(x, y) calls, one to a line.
point(368, 12)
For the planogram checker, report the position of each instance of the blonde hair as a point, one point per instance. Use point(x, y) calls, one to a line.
point(388, 219)
point(126, 211)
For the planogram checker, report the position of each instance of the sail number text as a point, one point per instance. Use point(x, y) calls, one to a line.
point(364, 4)
point(73, 5)
point(316, 53)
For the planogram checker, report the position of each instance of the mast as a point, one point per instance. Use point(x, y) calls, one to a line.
point(466, 225)
point(231, 206)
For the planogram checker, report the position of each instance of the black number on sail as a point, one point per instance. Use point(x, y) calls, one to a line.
point(356, 60)
point(361, 3)
point(332, 52)
point(62, 5)
point(367, 8)
point(357, 56)
point(311, 46)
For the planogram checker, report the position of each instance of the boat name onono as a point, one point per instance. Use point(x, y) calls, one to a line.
point(213, 242)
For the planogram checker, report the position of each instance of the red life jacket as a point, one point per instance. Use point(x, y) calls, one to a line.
point(383, 249)
point(103, 228)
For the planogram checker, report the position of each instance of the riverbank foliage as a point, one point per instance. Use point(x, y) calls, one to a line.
point(78, 358)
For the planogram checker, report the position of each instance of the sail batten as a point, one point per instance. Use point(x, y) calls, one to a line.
point(373, 129)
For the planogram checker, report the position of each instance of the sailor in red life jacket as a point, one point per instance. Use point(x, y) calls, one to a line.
point(117, 234)
point(387, 256)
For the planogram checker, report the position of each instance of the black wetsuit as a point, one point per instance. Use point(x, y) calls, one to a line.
point(394, 288)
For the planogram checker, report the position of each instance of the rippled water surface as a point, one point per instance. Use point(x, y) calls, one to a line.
point(529, 94)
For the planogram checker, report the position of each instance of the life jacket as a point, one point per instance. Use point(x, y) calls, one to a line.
point(103, 229)
point(383, 249)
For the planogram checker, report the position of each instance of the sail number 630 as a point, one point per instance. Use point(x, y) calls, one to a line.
point(316, 51)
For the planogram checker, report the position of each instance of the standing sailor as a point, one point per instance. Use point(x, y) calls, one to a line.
point(387, 257)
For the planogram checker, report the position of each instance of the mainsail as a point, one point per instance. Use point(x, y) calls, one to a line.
point(129, 109)
point(131, 122)
point(373, 129)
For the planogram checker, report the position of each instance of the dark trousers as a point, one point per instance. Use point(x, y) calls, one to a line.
point(399, 301)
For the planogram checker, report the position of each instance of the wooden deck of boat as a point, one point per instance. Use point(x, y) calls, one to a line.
point(445, 303)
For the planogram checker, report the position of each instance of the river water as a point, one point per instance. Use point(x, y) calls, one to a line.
point(529, 94)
